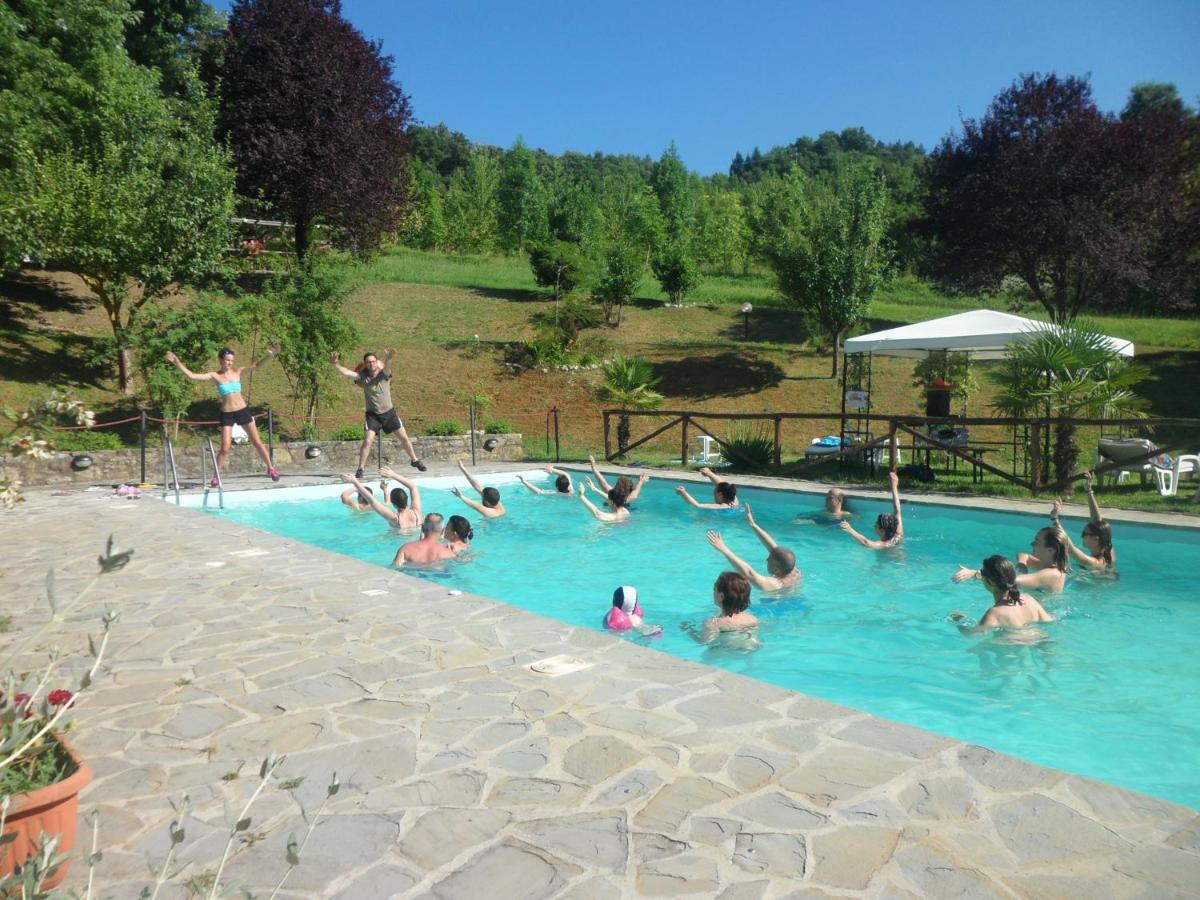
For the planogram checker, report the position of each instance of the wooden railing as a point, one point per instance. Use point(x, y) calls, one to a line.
point(896, 426)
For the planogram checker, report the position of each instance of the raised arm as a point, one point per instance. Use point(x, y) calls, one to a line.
point(414, 491)
point(767, 540)
point(206, 376)
point(1077, 554)
point(474, 504)
point(272, 352)
point(599, 478)
point(389, 514)
point(388, 355)
point(688, 498)
point(596, 511)
point(861, 538)
point(349, 373)
point(471, 478)
point(1092, 505)
point(534, 488)
point(637, 488)
point(895, 482)
point(714, 538)
point(708, 473)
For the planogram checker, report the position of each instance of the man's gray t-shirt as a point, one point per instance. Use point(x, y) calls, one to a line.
point(378, 390)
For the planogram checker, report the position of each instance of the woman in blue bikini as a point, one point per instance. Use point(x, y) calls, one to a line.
point(234, 409)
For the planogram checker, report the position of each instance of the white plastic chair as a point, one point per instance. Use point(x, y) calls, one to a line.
point(707, 454)
point(1168, 479)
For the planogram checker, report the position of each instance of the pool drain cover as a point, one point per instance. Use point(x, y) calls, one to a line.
point(559, 665)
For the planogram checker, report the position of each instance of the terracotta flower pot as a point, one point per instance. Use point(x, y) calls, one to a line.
point(54, 810)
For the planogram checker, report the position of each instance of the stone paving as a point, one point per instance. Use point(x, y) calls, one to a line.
point(466, 774)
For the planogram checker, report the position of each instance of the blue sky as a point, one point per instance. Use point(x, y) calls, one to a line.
point(719, 77)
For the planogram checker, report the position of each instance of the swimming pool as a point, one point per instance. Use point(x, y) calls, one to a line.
point(1110, 694)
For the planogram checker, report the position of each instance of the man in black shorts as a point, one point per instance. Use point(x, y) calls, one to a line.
point(375, 380)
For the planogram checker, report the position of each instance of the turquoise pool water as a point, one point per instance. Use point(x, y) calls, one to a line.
point(1111, 693)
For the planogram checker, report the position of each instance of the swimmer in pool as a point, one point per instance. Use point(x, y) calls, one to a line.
point(783, 573)
point(1045, 569)
point(724, 493)
point(491, 507)
point(358, 499)
point(1097, 535)
point(624, 483)
point(889, 528)
point(428, 549)
point(458, 534)
point(731, 594)
point(562, 483)
point(618, 502)
point(1010, 608)
point(405, 514)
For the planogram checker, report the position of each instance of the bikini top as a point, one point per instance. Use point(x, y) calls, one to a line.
point(225, 388)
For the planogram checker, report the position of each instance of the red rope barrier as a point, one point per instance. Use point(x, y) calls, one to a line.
point(97, 425)
point(195, 421)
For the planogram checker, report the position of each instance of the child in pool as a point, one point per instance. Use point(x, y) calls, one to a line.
point(731, 594)
point(627, 614)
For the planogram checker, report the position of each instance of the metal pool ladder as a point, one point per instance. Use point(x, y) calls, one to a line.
point(204, 460)
point(169, 470)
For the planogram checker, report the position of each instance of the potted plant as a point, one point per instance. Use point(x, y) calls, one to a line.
point(41, 774)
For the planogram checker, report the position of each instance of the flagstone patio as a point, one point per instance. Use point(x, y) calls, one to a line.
point(467, 774)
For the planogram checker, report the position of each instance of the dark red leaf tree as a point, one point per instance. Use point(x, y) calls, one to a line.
point(318, 126)
point(1049, 188)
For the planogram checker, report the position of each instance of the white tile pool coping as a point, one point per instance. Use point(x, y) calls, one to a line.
point(466, 773)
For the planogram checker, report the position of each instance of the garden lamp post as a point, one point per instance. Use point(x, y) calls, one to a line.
point(746, 310)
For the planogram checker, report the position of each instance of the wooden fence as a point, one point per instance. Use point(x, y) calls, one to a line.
point(915, 428)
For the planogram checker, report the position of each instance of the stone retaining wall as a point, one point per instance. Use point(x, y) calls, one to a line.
point(117, 466)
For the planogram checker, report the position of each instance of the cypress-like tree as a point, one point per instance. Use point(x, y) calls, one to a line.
point(316, 122)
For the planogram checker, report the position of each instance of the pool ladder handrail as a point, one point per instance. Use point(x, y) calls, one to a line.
point(169, 470)
point(204, 458)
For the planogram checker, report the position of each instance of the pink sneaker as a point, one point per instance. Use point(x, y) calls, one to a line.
point(215, 481)
point(274, 474)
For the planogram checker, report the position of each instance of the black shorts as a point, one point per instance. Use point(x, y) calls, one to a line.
point(241, 417)
point(386, 422)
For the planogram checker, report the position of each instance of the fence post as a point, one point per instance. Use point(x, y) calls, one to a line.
point(1035, 456)
point(556, 451)
point(270, 435)
point(142, 443)
point(778, 443)
point(471, 418)
point(379, 451)
point(893, 446)
point(607, 440)
point(683, 444)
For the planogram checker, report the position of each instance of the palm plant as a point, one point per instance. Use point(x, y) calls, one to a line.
point(629, 384)
point(1068, 370)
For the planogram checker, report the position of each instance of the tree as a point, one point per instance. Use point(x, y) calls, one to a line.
point(1048, 188)
point(424, 224)
point(721, 233)
point(317, 125)
point(522, 213)
point(629, 384)
point(672, 186)
point(117, 182)
point(472, 206)
point(559, 265)
point(1068, 370)
point(619, 278)
point(178, 38)
point(831, 260)
point(676, 271)
point(304, 311)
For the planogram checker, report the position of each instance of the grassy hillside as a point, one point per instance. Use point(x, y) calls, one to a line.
point(451, 319)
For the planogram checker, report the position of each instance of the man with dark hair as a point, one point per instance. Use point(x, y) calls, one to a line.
point(491, 507)
point(375, 378)
point(429, 549)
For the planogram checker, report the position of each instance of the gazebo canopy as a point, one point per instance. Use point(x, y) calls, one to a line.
point(983, 333)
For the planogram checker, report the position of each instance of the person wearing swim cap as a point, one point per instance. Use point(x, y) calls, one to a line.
point(375, 379)
point(626, 613)
point(490, 507)
point(562, 483)
point(234, 409)
point(1011, 609)
point(724, 493)
point(783, 573)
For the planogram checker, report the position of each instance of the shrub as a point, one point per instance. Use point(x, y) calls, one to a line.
point(348, 433)
point(87, 440)
point(445, 428)
point(498, 426)
point(750, 448)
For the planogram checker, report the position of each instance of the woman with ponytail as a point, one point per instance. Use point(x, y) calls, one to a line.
point(1045, 569)
point(1011, 608)
point(1097, 535)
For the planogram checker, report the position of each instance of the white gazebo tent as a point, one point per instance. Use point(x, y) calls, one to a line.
point(984, 334)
